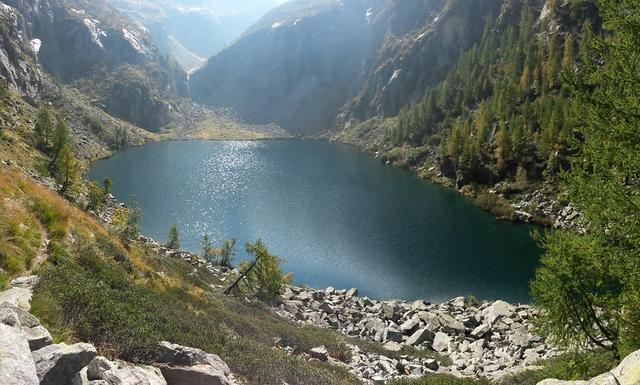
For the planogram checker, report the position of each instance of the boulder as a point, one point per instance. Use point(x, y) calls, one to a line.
point(377, 327)
point(458, 302)
point(98, 366)
point(186, 356)
point(392, 334)
point(193, 375)
point(480, 331)
point(122, 373)
point(419, 305)
point(25, 319)
point(28, 282)
point(391, 310)
point(16, 364)
point(441, 342)
point(320, 353)
point(9, 316)
point(410, 325)
point(326, 307)
point(420, 336)
point(497, 310)
point(604, 379)
point(628, 372)
point(560, 382)
point(450, 324)
point(57, 364)
point(431, 364)
point(353, 292)
point(393, 346)
point(38, 337)
point(80, 378)
point(520, 336)
point(430, 319)
point(17, 296)
point(182, 365)
point(134, 375)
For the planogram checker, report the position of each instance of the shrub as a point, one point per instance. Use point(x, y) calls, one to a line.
point(494, 204)
point(262, 277)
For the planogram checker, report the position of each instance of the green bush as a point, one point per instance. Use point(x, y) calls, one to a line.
point(494, 204)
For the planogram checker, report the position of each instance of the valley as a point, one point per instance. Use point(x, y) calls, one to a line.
point(230, 193)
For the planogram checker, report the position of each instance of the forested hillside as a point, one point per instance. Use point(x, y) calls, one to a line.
point(502, 112)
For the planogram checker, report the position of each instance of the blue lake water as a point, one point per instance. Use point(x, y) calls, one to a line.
point(338, 217)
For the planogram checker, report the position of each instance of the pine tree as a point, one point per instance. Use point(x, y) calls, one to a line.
point(67, 170)
point(173, 242)
point(43, 130)
point(263, 277)
point(568, 56)
point(588, 285)
point(61, 139)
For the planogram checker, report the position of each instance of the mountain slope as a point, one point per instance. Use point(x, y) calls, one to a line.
point(296, 67)
point(193, 30)
point(92, 46)
point(304, 61)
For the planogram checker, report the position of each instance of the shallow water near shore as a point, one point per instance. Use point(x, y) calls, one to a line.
point(338, 217)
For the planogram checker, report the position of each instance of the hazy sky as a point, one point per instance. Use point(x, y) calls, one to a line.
point(252, 6)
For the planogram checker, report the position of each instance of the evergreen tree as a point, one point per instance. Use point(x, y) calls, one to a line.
point(61, 139)
point(43, 131)
point(126, 222)
point(588, 285)
point(263, 277)
point(208, 251)
point(174, 238)
point(67, 170)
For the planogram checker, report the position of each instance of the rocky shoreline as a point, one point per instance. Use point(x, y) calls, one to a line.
point(463, 337)
point(487, 339)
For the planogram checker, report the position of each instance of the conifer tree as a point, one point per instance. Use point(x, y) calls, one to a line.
point(61, 139)
point(43, 130)
point(588, 285)
point(173, 242)
point(67, 170)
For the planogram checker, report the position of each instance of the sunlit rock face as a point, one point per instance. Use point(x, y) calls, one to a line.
point(18, 53)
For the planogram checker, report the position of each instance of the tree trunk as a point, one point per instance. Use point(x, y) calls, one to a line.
point(242, 275)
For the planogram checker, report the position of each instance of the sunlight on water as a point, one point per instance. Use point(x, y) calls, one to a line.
point(338, 217)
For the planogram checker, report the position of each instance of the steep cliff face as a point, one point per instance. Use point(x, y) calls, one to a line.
point(415, 58)
point(296, 67)
point(18, 62)
point(92, 46)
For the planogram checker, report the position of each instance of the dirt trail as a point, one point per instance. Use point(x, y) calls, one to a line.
point(41, 255)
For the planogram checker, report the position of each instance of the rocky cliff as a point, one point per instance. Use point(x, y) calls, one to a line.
point(419, 52)
point(91, 46)
point(18, 53)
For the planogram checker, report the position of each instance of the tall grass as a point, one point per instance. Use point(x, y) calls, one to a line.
point(20, 239)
